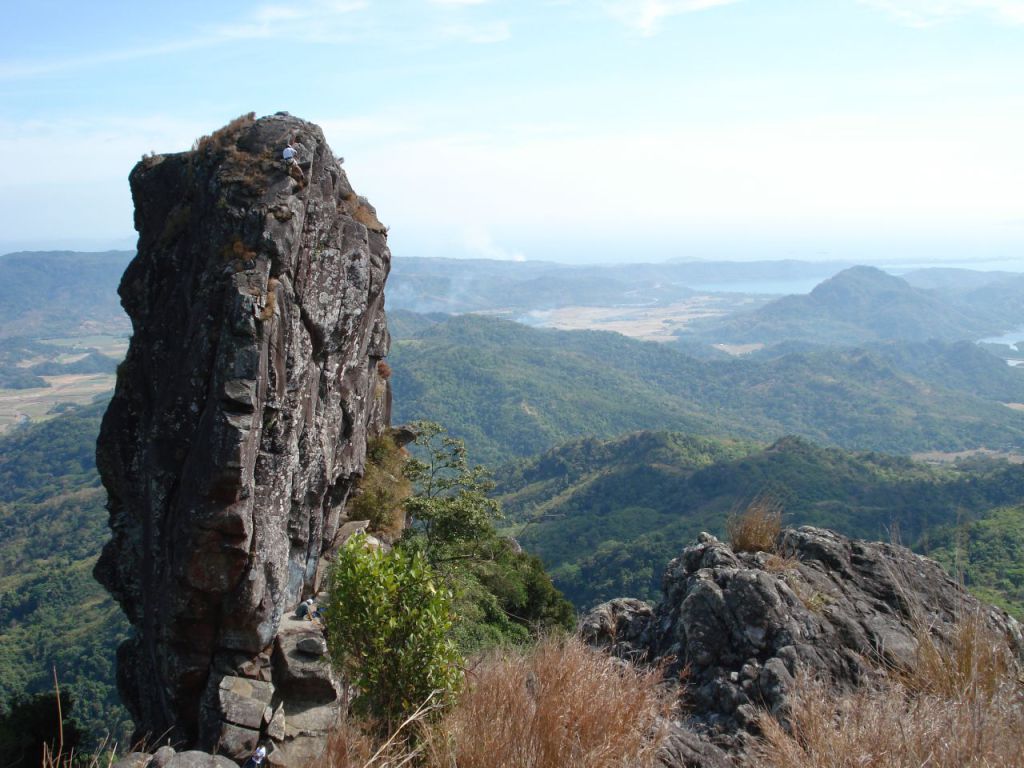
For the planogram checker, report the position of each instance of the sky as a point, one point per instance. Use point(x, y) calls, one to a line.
point(574, 130)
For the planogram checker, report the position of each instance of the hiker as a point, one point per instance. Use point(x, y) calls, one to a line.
point(305, 610)
point(256, 759)
point(291, 161)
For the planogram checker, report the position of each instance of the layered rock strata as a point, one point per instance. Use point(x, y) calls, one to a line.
point(238, 428)
point(739, 628)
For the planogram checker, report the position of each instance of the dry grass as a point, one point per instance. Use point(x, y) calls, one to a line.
point(962, 706)
point(974, 665)
point(226, 136)
point(271, 303)
point(561, 705)
point(757, 528)
point(382, 490)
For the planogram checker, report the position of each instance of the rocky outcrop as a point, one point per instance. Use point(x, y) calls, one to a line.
point(238, 428)
point(739, 627)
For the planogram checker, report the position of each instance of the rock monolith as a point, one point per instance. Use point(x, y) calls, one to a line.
point(238, 428)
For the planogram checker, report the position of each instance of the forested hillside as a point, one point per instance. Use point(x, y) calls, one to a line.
point(61, 293)
point(606, 516)
point(513, 391)
point(53, 614)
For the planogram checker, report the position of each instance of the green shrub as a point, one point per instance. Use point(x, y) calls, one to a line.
point(389, 628)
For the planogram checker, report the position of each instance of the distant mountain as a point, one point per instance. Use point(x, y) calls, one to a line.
point(952, 281)
point(510, 390)
point(606, 516)
point(863, 304)
point(479, 285)
point(61, 293)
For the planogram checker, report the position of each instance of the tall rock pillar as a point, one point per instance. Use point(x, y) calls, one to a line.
point(239, 421)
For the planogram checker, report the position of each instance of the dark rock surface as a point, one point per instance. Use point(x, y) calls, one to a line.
point(239, 422)
point(740, 626)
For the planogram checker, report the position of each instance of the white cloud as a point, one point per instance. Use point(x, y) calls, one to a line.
point(492, 32)
point(922, 13)
point(457, 3)
point(645, 16)
point(479, 242)
point(767, 181)
point(313, 21)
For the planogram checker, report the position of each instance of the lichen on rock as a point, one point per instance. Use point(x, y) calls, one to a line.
point(239, 423)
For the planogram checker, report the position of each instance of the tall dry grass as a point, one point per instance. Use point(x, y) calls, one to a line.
point(559, 704)
point(757, 528)
point(961, 706)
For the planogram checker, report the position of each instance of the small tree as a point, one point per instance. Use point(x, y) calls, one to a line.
point(501, 595)
point(389, 628)
point(450, 501)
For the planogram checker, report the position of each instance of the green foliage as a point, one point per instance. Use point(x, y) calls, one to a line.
point(859, 305)
point(606, 517)
point(31, 723)
point(450, 503)
point(389, 626)
point(52, 612)
point(511, 391)
point(988, 553)
point(502, 595)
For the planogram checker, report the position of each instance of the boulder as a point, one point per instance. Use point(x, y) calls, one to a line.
point(298, 673)
point(243, 701)
point(740, 627)
point(161, 757)
point(196, 759)
point(133, 760)
point(314, 646)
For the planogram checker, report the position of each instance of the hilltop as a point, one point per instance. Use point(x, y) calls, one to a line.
point(862, 304)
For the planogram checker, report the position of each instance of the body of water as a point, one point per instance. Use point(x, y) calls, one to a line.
point(1012, 338)
point(769, 287)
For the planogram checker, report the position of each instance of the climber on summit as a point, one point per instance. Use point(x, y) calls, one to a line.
point(291, 161)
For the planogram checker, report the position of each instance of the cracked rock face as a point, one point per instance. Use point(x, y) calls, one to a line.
point(744, 625)
point(239, 422)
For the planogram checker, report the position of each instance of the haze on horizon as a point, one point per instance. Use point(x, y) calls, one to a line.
point(628, 130)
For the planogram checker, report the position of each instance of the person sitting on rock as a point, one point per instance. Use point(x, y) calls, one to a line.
point(256, 759)
point(306, 610)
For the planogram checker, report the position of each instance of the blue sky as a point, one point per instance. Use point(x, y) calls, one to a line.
point(874, 130)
